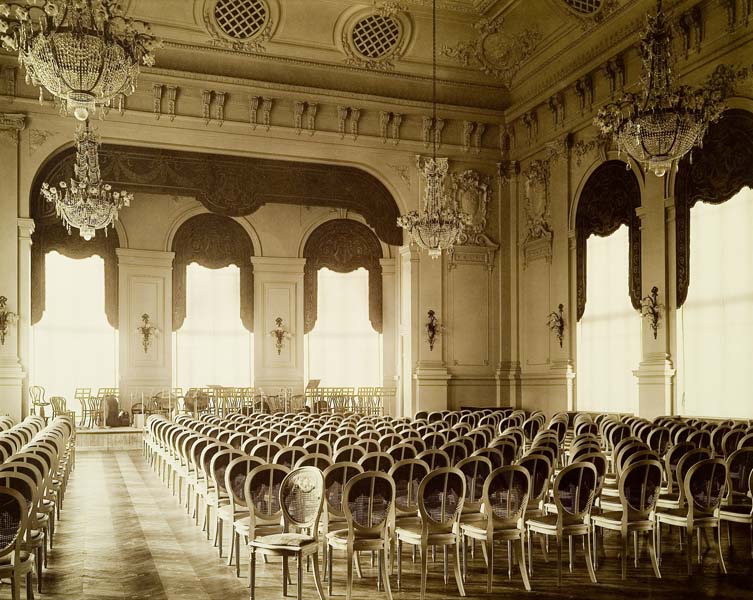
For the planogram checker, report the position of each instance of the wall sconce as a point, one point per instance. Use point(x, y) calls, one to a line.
point(280, 333)
point(433, 328)
point(556, 323)
point(651, 309)
point(7, 318)
point(147, 331)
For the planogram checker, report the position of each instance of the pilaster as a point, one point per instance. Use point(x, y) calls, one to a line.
point(390, 364)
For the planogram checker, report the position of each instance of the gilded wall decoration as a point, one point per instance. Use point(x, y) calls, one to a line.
point(470, 192)
point(237, 186)
point(213, 241)
point(342, 245)
point(37, 137)
point(719, 170)
point(496, 52)
point(608, 200)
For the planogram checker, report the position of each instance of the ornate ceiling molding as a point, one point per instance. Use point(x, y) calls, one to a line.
point(342, 245)
point(495, 51)
point(235, 186)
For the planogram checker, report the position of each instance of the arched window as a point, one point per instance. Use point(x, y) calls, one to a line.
point(343, 304)
point(73, 345)
point(608, 250)
point(714, 208)
point(212, 303)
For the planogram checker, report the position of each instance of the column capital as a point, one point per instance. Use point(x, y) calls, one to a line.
point(11, 124)
point(25, 228)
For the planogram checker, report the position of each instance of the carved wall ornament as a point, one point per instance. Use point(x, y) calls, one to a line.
point(215, 242)
point(691, 28)
point(342, 245)
point(253, 110)
point(11, 124)
point(495, 51)
point(584, 90)
point(355, 117)
point(506, 139)
point(609, 199)
point(717, 172)
point(537, 201)
point(582, 149)
point(172, 95)
point(468, 127)
point(342, 116)
point(157, 99)
point(219, 107)
point(615, 72)
point(266, 112)
point(470, 192)
point(531, 121)
point(731, 8)
point(556, 105)
point(397, 119)
point(389, 126)
point(431, 131)
point(37, 137)
point(234, 185)
point(403, 172)
point(243, 27)
point(206, 105)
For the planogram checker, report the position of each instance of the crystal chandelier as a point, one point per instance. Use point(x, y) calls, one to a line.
point(438, 225)
point(664, 121)
point(86, 202)
point(84, 52)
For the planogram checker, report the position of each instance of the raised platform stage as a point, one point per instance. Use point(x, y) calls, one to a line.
point(109, 438)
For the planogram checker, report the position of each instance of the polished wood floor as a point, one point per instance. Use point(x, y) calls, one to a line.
point(122, 535)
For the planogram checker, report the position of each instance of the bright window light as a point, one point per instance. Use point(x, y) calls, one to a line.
point(74, 345)
point(716, 320)
point(343, 350)
point(609, 333)
point(212, 347)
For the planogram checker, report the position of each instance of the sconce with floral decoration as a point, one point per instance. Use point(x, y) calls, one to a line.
point(7, 318)
point(280, 333)
point(433, 328)
point(556, 323)
point(148, 332)
point(651, 309)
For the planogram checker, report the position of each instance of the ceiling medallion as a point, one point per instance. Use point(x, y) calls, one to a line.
point(496, 52)
point(86, 203)
point(84, 52)
point(664, 121)
point(441, 222)
point(241, 25)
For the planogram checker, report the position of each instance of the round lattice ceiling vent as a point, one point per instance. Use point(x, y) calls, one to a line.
point(584, 7)
point(241, 19)
point(376, 36)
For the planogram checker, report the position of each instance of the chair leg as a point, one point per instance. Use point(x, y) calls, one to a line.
point(652, 554)
point(252, 572)
point(589, 563)
point(689, 552)
point(489, 544)
point(317, 578)
point(719, 548)
point(424, 552)
point(456, 566)
point(385, 574)
point(559, 562)
point(399, 563)
point(329, 570)
point(623, 558)
point(231, 553)
point(349, 582)
point(285, 575)
point(29, 587)
point(300, 578)
point(237, 542)
point(522, 564)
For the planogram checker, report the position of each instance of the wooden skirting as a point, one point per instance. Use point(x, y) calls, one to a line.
point(115, 438)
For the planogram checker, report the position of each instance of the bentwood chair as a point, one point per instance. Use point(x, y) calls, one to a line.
point(369, 508)
point(705, 486)
point(740, 511)
point(505, 497)
point(301, 501)
point(574, 490)
point(15, 563)
point(440, 504)
point(639, 487)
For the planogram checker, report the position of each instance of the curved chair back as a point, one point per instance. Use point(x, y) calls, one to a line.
point(685, 464)
point(349, 454)
point(659, 440)
point(261, 490)
point(639, 487)
point(739, 467)
point(505, 495)
point(15, 520)
point(705, 487)
point(440, 499)
point(408, 475)
point(369, 504)
point(475, 469)
point(539, 467)
point(402, 451)
point(575, 490)
point(318, 460)
point(302, 498)
point(436, 459)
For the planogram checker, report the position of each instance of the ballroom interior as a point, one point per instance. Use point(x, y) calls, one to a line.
point(504, 245)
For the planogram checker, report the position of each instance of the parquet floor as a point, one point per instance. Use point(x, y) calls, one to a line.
point(123, 535)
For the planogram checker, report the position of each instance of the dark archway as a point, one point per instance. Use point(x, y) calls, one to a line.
point(213, 241)
point(342, 245)
point(608, 200)
point(719, 171)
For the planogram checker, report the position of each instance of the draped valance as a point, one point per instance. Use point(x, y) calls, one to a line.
point(608, 200)
point(342, 245)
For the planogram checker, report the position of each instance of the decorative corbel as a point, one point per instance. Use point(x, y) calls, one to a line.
point(342, 117)
point(298, 108)
point(397, 119)
point(438, 127)
point(206, 105)
point(748, 10)
point(506, 139)
point(253, 110)
point(731, 8)
point(584, 90)
point(691, 25)
point(355, 117)
point(467, 133)
point(311, 109)
point(478, 133)
point(266, 112)
point(426, 130)
point(615, 71)
point(531, 121)
point(172, 95)
point(557, 108)
point(157, 99)
point(219, 107)
point(384, 120)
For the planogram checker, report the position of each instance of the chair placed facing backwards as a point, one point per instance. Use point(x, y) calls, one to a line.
point(301, 501)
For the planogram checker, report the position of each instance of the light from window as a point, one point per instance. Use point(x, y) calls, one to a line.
point(73, 345)
point(212, 347)
point(609, 333)
point(716, 321)
point(343, 350)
